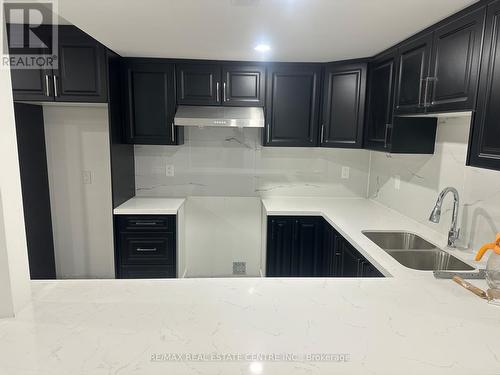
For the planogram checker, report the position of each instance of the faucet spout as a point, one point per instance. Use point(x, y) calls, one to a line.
point(435, 216)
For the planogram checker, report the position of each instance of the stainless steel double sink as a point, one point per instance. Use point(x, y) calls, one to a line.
point(415, 252)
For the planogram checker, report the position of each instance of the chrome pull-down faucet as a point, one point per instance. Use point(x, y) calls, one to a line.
point(454, 232)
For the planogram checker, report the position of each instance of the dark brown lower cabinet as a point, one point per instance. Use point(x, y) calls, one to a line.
point(307, 246)
point(145, 246)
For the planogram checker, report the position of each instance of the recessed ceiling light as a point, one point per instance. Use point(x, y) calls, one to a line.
point(262, 48)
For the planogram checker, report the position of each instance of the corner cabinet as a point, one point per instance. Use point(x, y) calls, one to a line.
point(386, 132)
point(307, 246)
point(149, 98)
point(412, 73)
point(484, 147)
point(228, 84)
point(292, 105)
point(380, 100)
point(344, 90)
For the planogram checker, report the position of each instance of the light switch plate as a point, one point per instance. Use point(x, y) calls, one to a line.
point(169, 170)
point(345, 173)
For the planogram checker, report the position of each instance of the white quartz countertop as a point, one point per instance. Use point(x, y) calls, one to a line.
point(149, 206)
point(409, 323)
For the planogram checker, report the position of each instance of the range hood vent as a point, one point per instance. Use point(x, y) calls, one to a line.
point(241, 117)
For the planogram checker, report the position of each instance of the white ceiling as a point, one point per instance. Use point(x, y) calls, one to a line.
point(296, 30)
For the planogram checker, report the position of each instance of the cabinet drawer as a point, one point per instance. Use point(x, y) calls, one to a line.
point(164, 223)
point(147, 248)
point(147, 272)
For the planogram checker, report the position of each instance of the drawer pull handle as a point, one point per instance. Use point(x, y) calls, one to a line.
point(146, 249)
point(146, 223)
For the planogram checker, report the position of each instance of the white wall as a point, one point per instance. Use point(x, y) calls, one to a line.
point(232, 162)
point(14, 268)
point(77, 140)
point(424, 176)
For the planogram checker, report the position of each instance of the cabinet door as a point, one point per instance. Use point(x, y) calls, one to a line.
point(343, 105)
point(243, 85)
point(81, 74)
point(350, 261)
point(329, 251)
point(307, 246)
point(30, 84)
point(199, 84)
point(455, 63)
point(413, 70)
point(292, 105)
point(150, 103)
point(381, 95)
point(484, 147)
point(369, 270)
point(279, 247)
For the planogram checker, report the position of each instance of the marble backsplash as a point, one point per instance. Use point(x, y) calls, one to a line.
point(232, 162)
point(422, 177)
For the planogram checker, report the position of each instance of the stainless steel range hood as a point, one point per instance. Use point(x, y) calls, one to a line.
point(241, 117)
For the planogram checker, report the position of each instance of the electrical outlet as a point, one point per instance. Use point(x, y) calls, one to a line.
point(397, 182)
point(87, 177)
point(169, 170)
point(345, 173)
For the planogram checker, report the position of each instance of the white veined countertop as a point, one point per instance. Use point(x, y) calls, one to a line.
point(407, 323)
point(149, 206)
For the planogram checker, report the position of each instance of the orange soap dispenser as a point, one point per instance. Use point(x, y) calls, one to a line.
point(493, 264)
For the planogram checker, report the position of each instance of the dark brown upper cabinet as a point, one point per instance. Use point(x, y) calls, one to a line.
point(149, 97)
point(455, 58)
point(243, 85)
point(229, 84)
point(344, 90)
point(439, 71)
point(389, 133)
point(484, 146)
point(30, 84)
point(380, 101)
point(80, 76)
point(292, 105)
point(199, 84)
point(412, 72)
